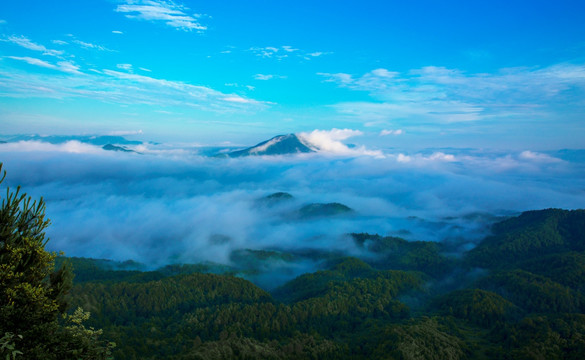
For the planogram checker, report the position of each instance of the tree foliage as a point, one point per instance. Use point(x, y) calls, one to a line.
point(33, 296)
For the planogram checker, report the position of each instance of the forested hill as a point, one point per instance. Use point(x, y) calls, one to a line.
point(520, 294)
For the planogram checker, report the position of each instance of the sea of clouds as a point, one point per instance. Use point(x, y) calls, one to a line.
point(174, 205)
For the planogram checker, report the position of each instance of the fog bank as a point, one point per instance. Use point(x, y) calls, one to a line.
point(179, 207)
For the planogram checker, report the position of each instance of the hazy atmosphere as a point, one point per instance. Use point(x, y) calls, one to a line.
point(288, 180)
point(429, 129)
point(163, 207)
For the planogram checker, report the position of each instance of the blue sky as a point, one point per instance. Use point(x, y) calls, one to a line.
point(404, 74)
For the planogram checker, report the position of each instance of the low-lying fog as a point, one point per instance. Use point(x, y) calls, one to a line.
point(179, 207)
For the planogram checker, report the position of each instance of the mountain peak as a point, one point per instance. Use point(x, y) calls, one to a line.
point(278, 145)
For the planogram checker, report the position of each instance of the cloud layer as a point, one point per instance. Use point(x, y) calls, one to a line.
point(167, 12)
point(172, 206)
point(442, 95)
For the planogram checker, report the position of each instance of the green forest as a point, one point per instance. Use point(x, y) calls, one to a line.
point(519, 294)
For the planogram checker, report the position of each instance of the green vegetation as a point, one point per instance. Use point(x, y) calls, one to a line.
point(110, 147)
point(33, 296)
point(397, 253)
point(323, 210)
point(518, 295)
point(279, 196)
point(406, 301)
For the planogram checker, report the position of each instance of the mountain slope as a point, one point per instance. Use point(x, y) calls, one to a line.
point(278, 145)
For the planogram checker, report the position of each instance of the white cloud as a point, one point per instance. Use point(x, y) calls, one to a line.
point(127, 67)
point(73, 146)
point(59, 42)
point(330, 141)
point(68, 67)
point(289, 48)
point(145, 69)
point(340, 78)
point(179, 93)
point(266, 52)
point(119, 87)
point(403, 158)
point(440, 156)
point(391, 132)
point(263, 77)
point(26, 43)
point(172, 194)
point(125, 132)
point(538, 157)
point(117, 32)
point(64, 66)
point(237, 99)
point(442, 95)
point(268, 77)
point(168, 12)
point(423, 160)
point(87, 45)
point(33, 61)
point(285, 51)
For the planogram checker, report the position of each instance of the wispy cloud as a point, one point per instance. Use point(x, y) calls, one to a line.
point(118, 87)
point(110, 85)
point(117, 32)
point(125, 132)
point(268, 77)
point(87, 45)
point(288, 48)
point(391, 132)
point(64, 66)
point(282, 52)
point(127, 67)
point(438, 94)
point(267, 52)
point(26, 43)
point(168, 12)
point(33, 61)
point(236, 85)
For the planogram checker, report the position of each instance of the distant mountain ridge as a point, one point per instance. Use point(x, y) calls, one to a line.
point(99, 140)
point(110, 147)
point(278, 145)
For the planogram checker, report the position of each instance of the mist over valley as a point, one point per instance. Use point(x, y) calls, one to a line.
point(159, 205)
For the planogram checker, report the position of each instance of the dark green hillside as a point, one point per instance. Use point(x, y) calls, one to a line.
point(565, 268)
point(530, 235)
point(279, 196)
point(345, 271)
point(534, 293)
point(479, 307)
point(316, 210)
point(229, 314)
point(529, 305)
point(254, 260)
point(397, 253)
point(275, 199)
point(110, 147)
